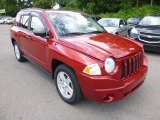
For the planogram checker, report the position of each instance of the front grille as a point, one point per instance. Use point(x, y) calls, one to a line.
point(132, 64)
point(149, 37)
point(152, 34)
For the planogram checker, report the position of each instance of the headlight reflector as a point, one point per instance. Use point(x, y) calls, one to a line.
point(109, 65)
point(92, 69)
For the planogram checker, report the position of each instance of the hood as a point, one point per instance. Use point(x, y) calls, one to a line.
point(131, 25)
point(149, 29)
point(111, 29)
point(101, 46)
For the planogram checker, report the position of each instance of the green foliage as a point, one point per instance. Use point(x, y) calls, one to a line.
point(45, 4)
point(10, 7)
point(1, 4)
point(134, 12)
point(90, 8)
point(110, 8)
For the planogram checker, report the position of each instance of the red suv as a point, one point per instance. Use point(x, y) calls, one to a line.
point(84, 60)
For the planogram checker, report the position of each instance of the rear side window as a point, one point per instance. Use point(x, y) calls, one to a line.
point(125, 22)
point(24, 21)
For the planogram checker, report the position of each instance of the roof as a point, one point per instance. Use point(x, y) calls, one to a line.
point(49, 10)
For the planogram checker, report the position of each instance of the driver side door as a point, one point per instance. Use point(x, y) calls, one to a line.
point(38, 44)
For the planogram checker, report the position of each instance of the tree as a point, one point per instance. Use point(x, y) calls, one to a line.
point(151, 2)
point(1, 5)
point(89, 6)
point(10, 7)
point(137, 3)
point(45, 4)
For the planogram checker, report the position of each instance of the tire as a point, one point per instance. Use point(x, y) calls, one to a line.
point(67, 84)
point(18, 53)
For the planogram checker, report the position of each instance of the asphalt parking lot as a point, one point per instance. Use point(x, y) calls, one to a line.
point(27, 93)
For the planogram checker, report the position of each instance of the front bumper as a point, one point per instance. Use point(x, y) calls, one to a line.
point(152, 47)
point(103, 89)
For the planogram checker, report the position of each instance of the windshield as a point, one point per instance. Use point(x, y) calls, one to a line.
point(9, 18)
point(133, 20)
point(109, 22)
point(67, 24)
point(3, 18)
point(150, 21)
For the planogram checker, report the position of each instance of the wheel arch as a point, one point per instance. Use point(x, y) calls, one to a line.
point(57, 62)
point(13, 40)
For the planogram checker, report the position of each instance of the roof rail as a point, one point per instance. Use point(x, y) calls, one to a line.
point(33, 9)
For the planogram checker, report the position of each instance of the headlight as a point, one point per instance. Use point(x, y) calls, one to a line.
point(109, 65)
point(134, 33)
point(134, 30)
point(92, 69)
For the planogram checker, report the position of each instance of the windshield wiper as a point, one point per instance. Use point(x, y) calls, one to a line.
point(96, 32)
point(80, 33)
point(73, 33)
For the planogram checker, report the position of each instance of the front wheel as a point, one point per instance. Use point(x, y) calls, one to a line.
point(67, 84)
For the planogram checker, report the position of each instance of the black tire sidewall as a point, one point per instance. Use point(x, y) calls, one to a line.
point(76, 89)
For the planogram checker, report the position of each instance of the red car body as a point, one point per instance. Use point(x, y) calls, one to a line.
point(79, 51)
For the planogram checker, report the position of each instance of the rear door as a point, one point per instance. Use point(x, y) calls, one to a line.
point(24, 33)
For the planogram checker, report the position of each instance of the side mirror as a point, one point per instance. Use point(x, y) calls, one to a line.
point(42, 32)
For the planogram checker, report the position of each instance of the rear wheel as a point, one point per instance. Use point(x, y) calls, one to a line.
point(67, 84)
point(18, 53)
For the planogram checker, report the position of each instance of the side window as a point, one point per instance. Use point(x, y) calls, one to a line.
point(24, 21)
point(36, 23)
point(120, 23)
point(125, 22)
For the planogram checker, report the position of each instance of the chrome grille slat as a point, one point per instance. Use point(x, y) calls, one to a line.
point(153, 34)
point(132, 64)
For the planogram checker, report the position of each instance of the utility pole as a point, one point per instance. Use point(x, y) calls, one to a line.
point(137, 4)
point(151, 2)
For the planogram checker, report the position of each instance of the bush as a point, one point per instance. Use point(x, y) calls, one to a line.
point(134, 12)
